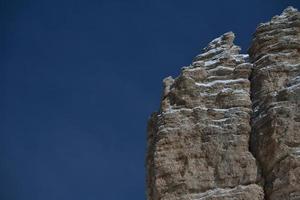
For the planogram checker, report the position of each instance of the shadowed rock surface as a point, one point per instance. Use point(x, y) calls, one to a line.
point(199, 141)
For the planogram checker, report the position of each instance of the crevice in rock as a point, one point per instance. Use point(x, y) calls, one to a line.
point(253, 140)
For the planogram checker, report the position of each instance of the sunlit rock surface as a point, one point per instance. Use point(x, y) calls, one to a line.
point(198, 144)
point(224, 111)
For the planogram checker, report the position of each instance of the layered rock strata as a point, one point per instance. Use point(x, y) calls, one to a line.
point(229, 126)
point(198, 143)
point(275, 53)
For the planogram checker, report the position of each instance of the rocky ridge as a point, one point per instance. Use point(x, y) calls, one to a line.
point(227, 127)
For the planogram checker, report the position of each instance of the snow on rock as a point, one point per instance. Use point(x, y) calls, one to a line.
point(203, 127)
point(276, 101)
point(198, 143)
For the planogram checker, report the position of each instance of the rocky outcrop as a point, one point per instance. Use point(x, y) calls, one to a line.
point(199, 141)
point(221, 112)
point(275, 86)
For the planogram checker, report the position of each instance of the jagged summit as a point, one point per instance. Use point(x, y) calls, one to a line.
point(221, 47)
point(282, 32)
point(224, 41)
point(290, 9)
point(228, 128)
point(286, 13)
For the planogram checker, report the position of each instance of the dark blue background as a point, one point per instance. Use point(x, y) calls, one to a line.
point(80, 78)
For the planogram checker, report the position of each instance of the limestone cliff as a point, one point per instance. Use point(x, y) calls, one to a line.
point(275, 86)
point(228, 125)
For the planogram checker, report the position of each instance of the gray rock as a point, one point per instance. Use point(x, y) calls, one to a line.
point(275, 86)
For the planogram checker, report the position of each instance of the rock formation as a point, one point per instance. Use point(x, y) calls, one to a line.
point(228, 125)
point(275, 86)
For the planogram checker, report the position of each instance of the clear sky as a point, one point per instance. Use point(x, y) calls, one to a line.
point(79, 79)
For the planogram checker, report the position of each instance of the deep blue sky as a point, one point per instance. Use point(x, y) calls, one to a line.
point(80, 78)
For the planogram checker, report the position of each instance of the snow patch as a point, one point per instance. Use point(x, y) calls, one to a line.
point(221, 82)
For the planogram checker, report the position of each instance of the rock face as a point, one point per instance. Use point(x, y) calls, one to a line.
point(199, 141)
point(228, 128)
point(275, 85)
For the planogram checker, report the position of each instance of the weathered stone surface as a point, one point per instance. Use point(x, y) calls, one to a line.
point(275, 53)
point(198, 143)
point(229, 126)
point(240, 192)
